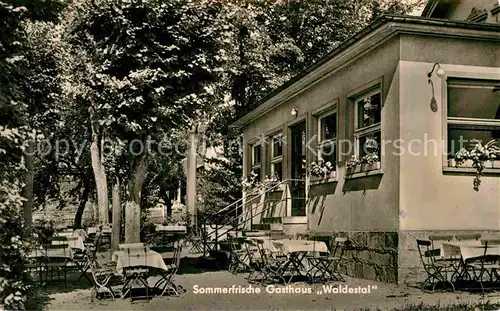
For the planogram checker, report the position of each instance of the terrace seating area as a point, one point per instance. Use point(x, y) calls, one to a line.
point(126, 272)
point(460, 262)
point(314, 259)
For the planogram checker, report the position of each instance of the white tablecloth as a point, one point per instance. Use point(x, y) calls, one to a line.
point(65, 233)
point(171, 228)
point(73, 242)
point(469, 252)
point(265, 241)
point(51, 252)
point(81, 233)
point(452, 249)
point(126, 259)
point(294, 246)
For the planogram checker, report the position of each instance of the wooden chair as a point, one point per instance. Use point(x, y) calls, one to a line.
point(255, 265)
point(57, 257)
point(325, 265)
point(136, 274)
point(102, 277)
point(483, 262)
point(166, 282)
point(437, 272)
point(238, 257)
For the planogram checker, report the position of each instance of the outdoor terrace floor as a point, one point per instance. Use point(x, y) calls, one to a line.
point(382, 297)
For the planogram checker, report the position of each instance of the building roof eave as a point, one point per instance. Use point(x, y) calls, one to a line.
point(393, 24)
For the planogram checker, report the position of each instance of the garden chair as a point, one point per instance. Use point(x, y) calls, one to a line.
point(483, 262)
point(57, 257)
point(325, 265)
point(102, 277)
point(255, 263)
point(239, 257)
point(273, 265)
point(136, 274)
point(166, 282)
point(437, 271)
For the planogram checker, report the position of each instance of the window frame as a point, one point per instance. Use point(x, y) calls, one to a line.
point(255, 166)
point(276, 159)
point(473, 123)
point(321, 143)
point(360, 132)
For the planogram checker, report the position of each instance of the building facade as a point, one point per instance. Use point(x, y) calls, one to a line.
point(371, 98)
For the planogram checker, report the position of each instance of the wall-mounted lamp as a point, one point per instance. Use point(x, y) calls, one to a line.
point(294, 112)
point(439, 73)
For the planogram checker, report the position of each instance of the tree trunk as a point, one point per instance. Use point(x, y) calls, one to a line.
point(99, 175)
point(28, 188)
point(133, 206)
point(81, 206)
point(117, 206)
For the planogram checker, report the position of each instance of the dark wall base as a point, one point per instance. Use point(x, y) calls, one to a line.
point(371, 255)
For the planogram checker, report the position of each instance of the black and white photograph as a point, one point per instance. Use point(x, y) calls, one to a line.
point(250, 155)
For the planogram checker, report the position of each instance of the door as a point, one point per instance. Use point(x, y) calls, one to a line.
point(298, 167)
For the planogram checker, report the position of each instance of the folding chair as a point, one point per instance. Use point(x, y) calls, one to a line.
point(34, 263)
point(325, 266)
point(137, 274)
point(254, 261)
point(166, 282)
point(437, 272)
point(273, 265)
point(102, 276)
point(483, 261)
point(238, 257)
point(56, 257)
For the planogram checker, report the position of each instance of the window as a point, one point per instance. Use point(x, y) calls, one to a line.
point(256, 160)
point(367, 129)
point(327, 137)
point(277, 156)
point(473, 113)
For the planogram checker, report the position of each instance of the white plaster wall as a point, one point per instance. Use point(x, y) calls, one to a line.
point(430, 199)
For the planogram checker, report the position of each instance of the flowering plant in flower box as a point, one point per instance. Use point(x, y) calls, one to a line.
point(321, 168)
point(251, 181)
point(479, 154)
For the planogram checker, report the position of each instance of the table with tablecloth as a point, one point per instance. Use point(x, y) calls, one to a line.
point(461, 251)
point(296, 246)
point(296, 251)
point(75, 242)
point(138, 259)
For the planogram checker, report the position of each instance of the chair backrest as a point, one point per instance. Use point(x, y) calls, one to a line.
point(337, 249)
point(490, 242)
point(126, 246)
point(469, 236)
point(57, 252)
point(425, 252)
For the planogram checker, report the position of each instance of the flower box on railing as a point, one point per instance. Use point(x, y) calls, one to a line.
point(363, 168)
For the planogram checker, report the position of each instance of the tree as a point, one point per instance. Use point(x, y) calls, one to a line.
point(144, 68)
point(21, 92)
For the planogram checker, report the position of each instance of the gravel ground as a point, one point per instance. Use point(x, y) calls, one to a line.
point(377, 296)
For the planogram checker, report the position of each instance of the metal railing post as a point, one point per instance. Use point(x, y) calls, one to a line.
point(216, 233)
point(204, 235)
